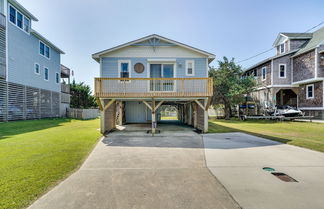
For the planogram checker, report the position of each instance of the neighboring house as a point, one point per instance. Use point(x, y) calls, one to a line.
point(65, 91)
point(138, 77)
point(29, 67)
point(295, 75)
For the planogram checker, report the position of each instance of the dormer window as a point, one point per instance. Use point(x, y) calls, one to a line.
point(282, 48)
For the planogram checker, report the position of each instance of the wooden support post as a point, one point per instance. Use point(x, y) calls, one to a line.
point(99, 104)
point(153, 117)
point(157, 106)
point(202, 106)
point(208, 103)
point(148, 105)
point(109, 103)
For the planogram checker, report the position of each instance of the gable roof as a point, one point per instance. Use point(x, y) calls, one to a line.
point(97, 55)
point(292, 36)
point(318, 39)
point(42, 38)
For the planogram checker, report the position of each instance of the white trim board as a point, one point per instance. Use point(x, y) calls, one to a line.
point(97, 55)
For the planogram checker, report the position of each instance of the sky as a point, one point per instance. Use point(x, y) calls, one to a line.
point(232, 28)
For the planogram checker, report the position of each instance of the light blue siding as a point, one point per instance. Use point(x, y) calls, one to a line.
point(135, 112)
point(110, 67)
point(23, 53)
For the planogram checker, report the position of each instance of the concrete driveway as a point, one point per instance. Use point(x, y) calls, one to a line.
point(237, 159)
point(131, 169)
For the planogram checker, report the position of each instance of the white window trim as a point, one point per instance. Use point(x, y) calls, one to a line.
point(285, 70)
point(265, 75)
point(193, 67)
point(59, 78)
point(38, 68)
point(312, 97)
point(45, 45)
point(16, 20)
point(129, 68)
point(162, 63)
point(47, 74)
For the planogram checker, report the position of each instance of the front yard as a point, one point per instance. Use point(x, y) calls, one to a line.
point(36, 155)
point(303, 134)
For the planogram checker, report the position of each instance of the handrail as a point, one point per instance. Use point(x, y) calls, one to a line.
point(122, 79)
point(153, 87)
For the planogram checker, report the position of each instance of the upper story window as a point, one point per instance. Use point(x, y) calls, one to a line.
point(124, 68)
point(44, 50)
point(12, 15)
point(282, 71)
point(57, 77)
point(18, 19)
point(37, 69)
point(46, 77)
point(310, 91)
point(26, 24)
point(264, 73)
point(282, 48)
point(190, 68)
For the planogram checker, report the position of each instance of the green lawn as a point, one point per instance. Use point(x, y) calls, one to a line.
point(303, 134)
point(36, 155)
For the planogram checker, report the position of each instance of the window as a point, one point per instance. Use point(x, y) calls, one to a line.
point(46, 74)
point(310, 91)
point(255, 73)
point(264, 73)
point(282, 71)
point(26, 24)
point(47, 52)
point(57, 78)
point(12, 15)
point(190, 68)
point(124, 68)
point(37, 70)
point(44, 50)
point(282, 48)
point(19, 20)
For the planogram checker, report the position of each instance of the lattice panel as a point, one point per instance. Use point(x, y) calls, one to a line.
point(3, 100)
point(32, 103)
point(55, 104)
point(46, 109)
point(16, 98)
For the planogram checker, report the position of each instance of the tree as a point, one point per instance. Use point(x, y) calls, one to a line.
point(81, 96)
point(230, 86)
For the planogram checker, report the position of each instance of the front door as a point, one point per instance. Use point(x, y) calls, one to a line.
point(164, 71)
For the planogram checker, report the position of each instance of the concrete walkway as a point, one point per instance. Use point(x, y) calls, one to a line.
point(131, 169)
point(237, 159)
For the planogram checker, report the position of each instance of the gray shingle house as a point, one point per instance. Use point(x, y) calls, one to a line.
point(30, 67)
point(295, 75)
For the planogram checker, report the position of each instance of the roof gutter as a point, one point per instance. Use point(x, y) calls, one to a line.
point(35, 33)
